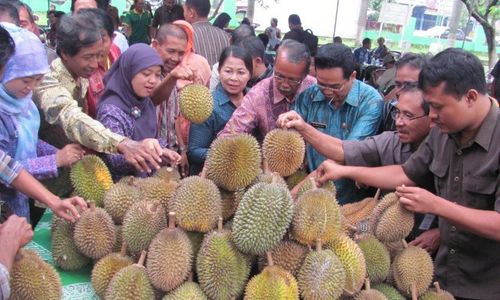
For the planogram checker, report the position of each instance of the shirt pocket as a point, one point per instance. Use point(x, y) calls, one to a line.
point(480, 191)
point(439, 170)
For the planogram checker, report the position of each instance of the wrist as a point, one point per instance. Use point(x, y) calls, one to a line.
point(182, 149)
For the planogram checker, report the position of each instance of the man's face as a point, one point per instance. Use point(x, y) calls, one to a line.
point(412, 124)
point(288, 76)
point(406, 76)
point(81, 4)
point(450, 114)
point(84, 63)
point(139, 5)
point(171, 51)
point(380, 42)
point(169, 3)
point(52, 19)
point(333, 85)
point(24, 20)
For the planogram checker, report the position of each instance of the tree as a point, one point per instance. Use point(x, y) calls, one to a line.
point(486, 12)
point(363, 14)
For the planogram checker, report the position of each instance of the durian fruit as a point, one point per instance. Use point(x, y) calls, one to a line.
point(288, 255)
point(353, 261)
point(222, 270)
point(154, 189)
point(142, 222)
point(389, 291)
point(272, 283)
point(437, 294)
point(268, 176)
point(308, 185)
point(229, 203)
point(106, 268)
point(413, 270)
point(64, 251)
point(91, 179)
point(168, 174)
point(370, 294)
point(196, 239)
point(95, 233)
point(32, 278)
point(390, 221)
point(317, 216)
point(196, 103)
point(394, 248)
point(284, 151)
point(131, 282)
point(197, 204)
point(378, 261)
point(233, 161)
point(355, 212)
point(170, 257)
point(296, 178)
point(322, 275)
point(119, 198)
point(262, 218)
point(119, 239)
point(187, 291)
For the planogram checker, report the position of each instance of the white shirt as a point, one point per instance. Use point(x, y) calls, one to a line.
point(120, 41)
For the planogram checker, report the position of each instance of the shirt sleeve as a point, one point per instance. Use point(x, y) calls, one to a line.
point(9, 169)
point(361, 153)
point(244, 118)
point(4, 283)
point(417, 166)
point(59, 107)
point(45, 165)
point(370, 115)
point(200, 138)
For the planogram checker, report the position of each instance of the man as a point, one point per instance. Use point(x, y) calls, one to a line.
point(8, 13)
point(300, 35)
point(362, 55)
point(76, 5)
point(388, 148)
point(337, 40)
point(495, 85)
point(381, 51)
point(386, 80)
point(61, 98)
point(137, 23)
point(461, 156)
point(167, 13)
point(274, 95)
point(274, 35)
point(407, 70)
point(208, 40)
point(339, 105)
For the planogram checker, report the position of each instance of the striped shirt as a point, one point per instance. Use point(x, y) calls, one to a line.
point(209, 41)
point(4, 283)
point(9, 168)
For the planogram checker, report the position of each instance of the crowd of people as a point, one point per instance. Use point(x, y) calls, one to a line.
point(434, 138)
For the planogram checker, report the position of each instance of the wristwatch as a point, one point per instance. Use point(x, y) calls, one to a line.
point(182, 149)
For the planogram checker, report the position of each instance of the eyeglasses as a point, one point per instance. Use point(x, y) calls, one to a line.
point(330, 88)
point(293, 82)
point(395, 114)
point(406, 84)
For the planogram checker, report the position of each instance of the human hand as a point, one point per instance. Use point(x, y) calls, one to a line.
point(69, 155)
point(417, 199)
point(174, 157)
point(291, 119)
point(184, 164)
point(182, 72)
point(16, 231)
point(67, 208)
point(428, 240)
point(142, 154)
point(328, 170)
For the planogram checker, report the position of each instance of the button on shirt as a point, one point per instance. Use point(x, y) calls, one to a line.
point(357, 118)
point(467, 265)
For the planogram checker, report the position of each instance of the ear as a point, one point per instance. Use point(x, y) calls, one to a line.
point(154, 43)
point(471, 97)
point(258, 60)
point(353, 75)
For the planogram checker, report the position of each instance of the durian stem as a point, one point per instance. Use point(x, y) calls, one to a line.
point(190, 278)
point(219, 224)
point(171, 220)
point(265, 166)
point(142, 258)
point(318, 245)
point(367, 284)
point(313, 183)
point(275, 177)
point(414, 295)
point(405, 244)
point(377, 194)
point(203, 173)
point(92, 206)
point(270, 261)
point(437, 286)
point(123, 250)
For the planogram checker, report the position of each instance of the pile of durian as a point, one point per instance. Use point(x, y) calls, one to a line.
point(234, 232)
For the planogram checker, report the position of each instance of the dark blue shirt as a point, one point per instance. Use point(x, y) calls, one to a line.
point(362, 56)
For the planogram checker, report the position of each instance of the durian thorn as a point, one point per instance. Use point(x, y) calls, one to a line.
point(437, 286)
point(171, 220)
point(377, 194)
point(123, 250)
point(367, 284)
point(313, 182)
point(219, 224)
point(405, 244)
point(265, 166)
point(414, 295)
point(142, 258)
point(318, 245)
point(349, 294)
point(270, 261)
point(92, 206)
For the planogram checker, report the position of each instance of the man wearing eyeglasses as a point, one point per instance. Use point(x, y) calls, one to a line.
point(275, 95)
point(339, 105)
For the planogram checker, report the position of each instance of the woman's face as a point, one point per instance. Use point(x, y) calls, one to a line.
point(145, 81)
point(23, 86)
point(234, 75)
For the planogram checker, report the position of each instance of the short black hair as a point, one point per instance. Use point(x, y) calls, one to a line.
point(337, 39)
point(170, 29)
point(10, 11)
point(101, 18)
point(254, 46)
point(264, 38)
point(221, 20)
point(59, 13)
point(294, 19)
point(202, 7)
point(416, 61)
point(331, 56)
point(413, 89)
point(7, 47)
point(238, 52)
point(460, 71)
point(76, 32)
point(366, 41)
point(296, 53)
point(102, 4)
point(241, 32)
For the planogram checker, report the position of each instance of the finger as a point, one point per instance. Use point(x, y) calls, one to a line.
point(72, 209)
point(77, 201)
point(142, 161)
point(135, 164)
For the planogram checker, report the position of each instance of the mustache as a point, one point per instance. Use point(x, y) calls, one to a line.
point(284, 90)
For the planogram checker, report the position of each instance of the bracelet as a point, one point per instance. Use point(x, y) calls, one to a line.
point(182, 149)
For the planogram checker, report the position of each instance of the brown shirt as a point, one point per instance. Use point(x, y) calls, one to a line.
point(467, 265)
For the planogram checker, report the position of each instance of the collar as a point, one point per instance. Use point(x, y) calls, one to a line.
point(138, 13)
point(63, 75)
point(485, 133)
point(201, 23)
point(220, 96)
point(352, 97)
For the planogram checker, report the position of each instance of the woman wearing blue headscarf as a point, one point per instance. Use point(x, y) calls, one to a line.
point(126, 107)
point(20, 120)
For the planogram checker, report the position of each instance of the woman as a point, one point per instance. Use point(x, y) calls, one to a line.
point(222, 21)
point(126, 108)
point(235, 69)
point(20, 120)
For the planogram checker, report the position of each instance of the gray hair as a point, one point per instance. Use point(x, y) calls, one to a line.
point(76, 32)
point(295, 53)
point(167, 30)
